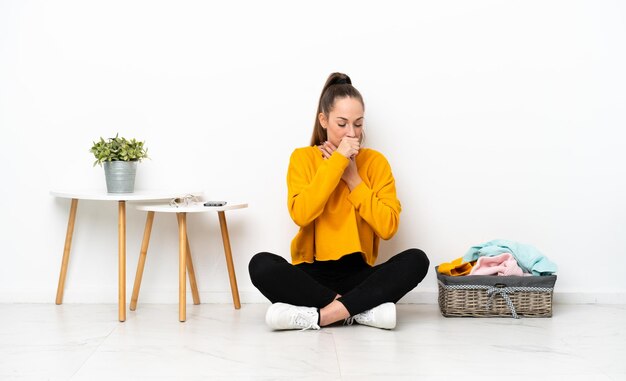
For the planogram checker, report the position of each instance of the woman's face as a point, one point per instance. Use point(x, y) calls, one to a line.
point(345, 119)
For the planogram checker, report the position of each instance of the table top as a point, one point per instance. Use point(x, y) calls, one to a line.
point(102, 195)
point(193, 208)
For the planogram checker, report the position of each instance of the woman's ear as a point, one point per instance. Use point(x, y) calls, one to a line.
point(323, 120)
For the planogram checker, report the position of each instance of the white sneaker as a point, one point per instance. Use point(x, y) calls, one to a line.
point(382, 316)
point(286, 316)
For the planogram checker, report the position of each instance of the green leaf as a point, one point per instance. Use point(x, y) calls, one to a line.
point(117, 149)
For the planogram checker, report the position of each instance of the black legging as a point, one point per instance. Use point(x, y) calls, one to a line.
point(317, 284)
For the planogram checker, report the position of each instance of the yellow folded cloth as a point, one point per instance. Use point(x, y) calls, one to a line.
point(456, 268)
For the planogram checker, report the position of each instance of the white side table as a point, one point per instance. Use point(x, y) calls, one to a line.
point(121, 198)
point(184, 253)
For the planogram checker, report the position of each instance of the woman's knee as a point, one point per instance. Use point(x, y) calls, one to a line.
point(261, 264)
point(417, 262)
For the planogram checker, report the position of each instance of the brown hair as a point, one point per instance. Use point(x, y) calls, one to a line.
point(338, 85)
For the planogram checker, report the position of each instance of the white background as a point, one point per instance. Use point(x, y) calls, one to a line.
point(500, 119)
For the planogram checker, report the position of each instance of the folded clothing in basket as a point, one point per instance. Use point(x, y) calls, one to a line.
point(503, 265)
point(527, 257)
point(456, 268)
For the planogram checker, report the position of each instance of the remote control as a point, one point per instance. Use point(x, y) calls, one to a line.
point(215, 203)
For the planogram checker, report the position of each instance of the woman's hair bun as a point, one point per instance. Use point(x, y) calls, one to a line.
point(341, 79)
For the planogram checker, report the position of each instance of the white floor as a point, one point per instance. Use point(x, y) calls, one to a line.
point(85, 342)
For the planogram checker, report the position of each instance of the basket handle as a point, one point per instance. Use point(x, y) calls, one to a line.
point(504, 291)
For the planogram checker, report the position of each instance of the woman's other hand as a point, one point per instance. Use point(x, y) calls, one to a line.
point(327, 149)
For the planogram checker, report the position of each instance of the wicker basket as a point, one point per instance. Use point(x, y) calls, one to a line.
point(495, 296)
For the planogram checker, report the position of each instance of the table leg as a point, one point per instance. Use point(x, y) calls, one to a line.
point(192, 276)
point(182, 256)
point(66, 250)
point(122, 259)
point(142, 260)
point(229, 260)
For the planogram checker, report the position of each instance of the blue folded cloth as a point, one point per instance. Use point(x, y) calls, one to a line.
point(527, 257)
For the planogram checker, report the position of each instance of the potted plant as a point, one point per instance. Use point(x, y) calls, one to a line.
point(119, 157)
